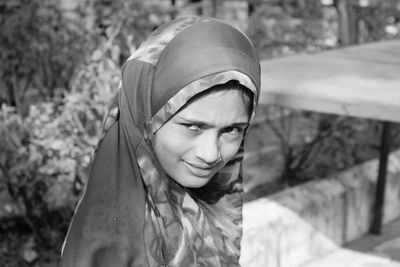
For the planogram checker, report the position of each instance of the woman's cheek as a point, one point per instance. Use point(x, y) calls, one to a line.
point(230, 147)
point(180, 141)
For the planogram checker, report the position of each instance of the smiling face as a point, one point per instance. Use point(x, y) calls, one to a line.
point(202, 137)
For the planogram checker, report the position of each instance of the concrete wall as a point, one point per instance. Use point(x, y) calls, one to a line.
point(306, 222)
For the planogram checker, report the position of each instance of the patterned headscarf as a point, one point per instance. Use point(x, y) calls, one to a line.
point(132, 213)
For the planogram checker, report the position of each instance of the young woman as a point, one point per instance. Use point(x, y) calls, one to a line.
point(165, 187)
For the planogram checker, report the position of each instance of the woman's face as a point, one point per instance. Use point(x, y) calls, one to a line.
point(189, 145)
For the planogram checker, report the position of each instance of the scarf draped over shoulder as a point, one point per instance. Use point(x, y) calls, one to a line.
point(132, 213)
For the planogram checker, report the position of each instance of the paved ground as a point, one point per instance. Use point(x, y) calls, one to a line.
point(386, 245)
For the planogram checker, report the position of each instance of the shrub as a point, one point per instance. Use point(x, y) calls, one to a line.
point(45, 155)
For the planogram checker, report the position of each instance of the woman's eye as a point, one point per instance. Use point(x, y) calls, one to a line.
point(192, 127)
point(233, 130)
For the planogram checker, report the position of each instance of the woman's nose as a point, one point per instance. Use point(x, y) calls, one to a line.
point(207, 148)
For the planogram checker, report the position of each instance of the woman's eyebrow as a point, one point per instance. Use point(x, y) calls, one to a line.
point(196, 121)
point(209, 124)
point(240, 124)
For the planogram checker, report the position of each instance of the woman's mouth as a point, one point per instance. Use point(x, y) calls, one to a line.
point(199, 170)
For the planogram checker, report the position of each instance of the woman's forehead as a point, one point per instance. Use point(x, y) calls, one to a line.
point(196, 88)
point(216, 108)
point(225, 90)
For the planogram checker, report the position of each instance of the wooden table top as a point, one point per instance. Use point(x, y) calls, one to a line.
point(360, 80)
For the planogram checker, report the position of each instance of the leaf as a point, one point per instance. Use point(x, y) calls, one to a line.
point(34, 154)
point(30, 255)
point(97, 55)
point(56, 144)
point(59, 195)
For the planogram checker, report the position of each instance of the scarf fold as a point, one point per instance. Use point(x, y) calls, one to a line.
point(132, 213)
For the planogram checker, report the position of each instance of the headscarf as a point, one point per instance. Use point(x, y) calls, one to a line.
point(132, 213)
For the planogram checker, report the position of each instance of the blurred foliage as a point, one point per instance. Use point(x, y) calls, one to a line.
point(45, 155)
point(378, 22)
point(313, 145)
point(59, 73)
point(286, 27)
point(40, 49)
point(130, 22)
point(289, 147)
point(327, 143)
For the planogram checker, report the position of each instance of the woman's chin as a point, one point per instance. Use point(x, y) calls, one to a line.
point(191, 181)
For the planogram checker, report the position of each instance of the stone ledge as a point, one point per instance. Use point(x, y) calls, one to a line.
point(304, 223)
point(348, 258)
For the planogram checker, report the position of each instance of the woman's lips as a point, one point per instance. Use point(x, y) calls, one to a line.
point(198, 170)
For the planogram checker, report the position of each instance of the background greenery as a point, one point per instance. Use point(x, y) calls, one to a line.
point(60, 68)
